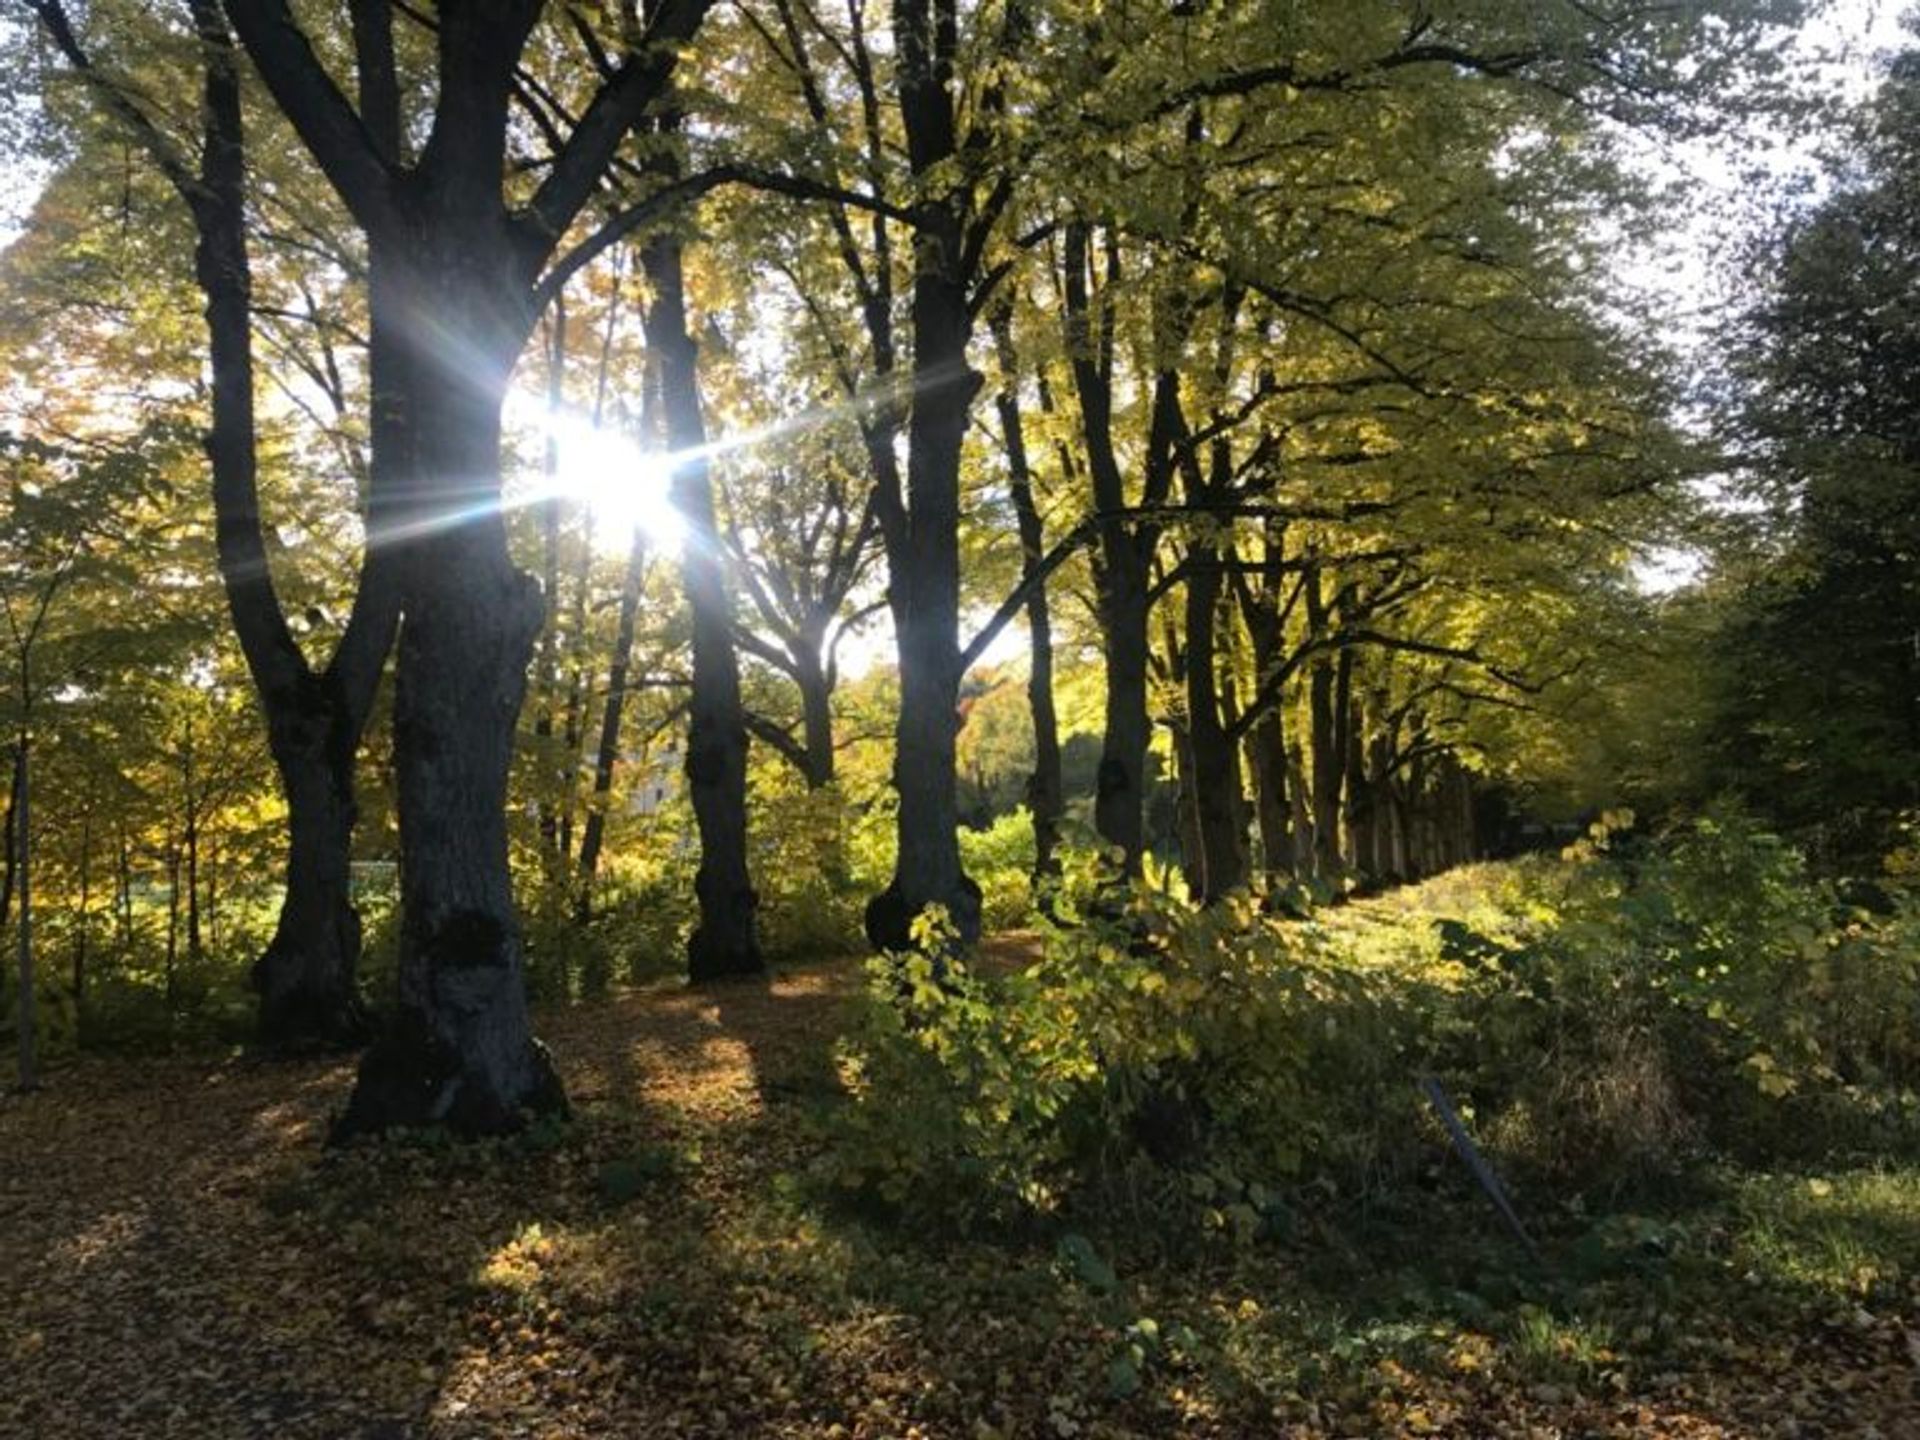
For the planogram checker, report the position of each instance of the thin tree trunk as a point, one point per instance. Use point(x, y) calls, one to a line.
point(555, 771)
point(189, 791)
point(82, 920)
point(12, 837)
point(173, 925)
point(1045, 786)
point(123, 881)
point(24, 1016)
point(608, 750)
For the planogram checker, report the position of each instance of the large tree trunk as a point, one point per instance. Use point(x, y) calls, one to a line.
point(460, 1049)
point(725, 942)
point(923, 539)
point(306, 979)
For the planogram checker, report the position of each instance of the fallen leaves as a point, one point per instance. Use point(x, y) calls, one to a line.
point(179, 1258)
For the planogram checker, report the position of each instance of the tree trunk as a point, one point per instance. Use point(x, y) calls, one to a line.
point(460, 1049)
point(190, 831)
point(82, 918)
point(1045, 786)
point(123, 886)
point(556, 772)
point(608, 750)
point(1213, 774)
point(725, 942)
point(1120, 575)
point(173, 926)
point(24, 1017)
point(816, 714)
point(11, 872)
point(924, 577)
point(306, 979)
point(1272, 800)
point(1328, 763)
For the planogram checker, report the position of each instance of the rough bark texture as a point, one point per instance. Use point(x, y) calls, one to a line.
point(455, 287)
point(1214, 773)
point(1328, 765)
point(306, 978)
point(924, 551)
point(725, 941)
point(460, 1050)
point(1120, 573)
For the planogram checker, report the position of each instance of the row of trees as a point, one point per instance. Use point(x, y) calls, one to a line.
point(1260, 354)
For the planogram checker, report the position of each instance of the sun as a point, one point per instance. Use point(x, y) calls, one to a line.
point(625, 487)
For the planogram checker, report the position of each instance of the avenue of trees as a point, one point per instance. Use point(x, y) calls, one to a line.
point(521, 489)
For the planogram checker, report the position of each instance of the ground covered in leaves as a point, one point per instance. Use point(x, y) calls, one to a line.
point(178, 1257)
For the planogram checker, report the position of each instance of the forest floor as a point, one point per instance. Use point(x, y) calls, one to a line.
point(179, 1257)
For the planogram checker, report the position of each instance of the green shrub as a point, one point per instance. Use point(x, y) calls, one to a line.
point(1000, 859)
point(1659, 997)
point(1205, 1054)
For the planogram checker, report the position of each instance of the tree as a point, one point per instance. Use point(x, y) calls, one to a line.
point(461, 263)
point(306, 978)
point(1818, 716)
point(726, 941)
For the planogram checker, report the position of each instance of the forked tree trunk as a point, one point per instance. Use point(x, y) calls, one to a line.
point(306, 979)
point(1214, 774)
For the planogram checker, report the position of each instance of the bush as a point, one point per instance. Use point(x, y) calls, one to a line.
point(1701, 991)
point(1599, 1019)
point(1204, 1054)
point(1000, 859)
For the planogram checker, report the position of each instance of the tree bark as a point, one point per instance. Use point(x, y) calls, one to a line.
point(456, 290)
point(1214, 775)
point(460, 1050)
point(816, 715)
point(1328, 763)
point(82, 918)
point(725, 941)
point(306, 978)
point(607, 752)
point(1045, 786)
point(21, 812)
point(924, 546)
point(1120, 573)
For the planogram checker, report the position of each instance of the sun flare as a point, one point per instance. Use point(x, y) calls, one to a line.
point(625, 487)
